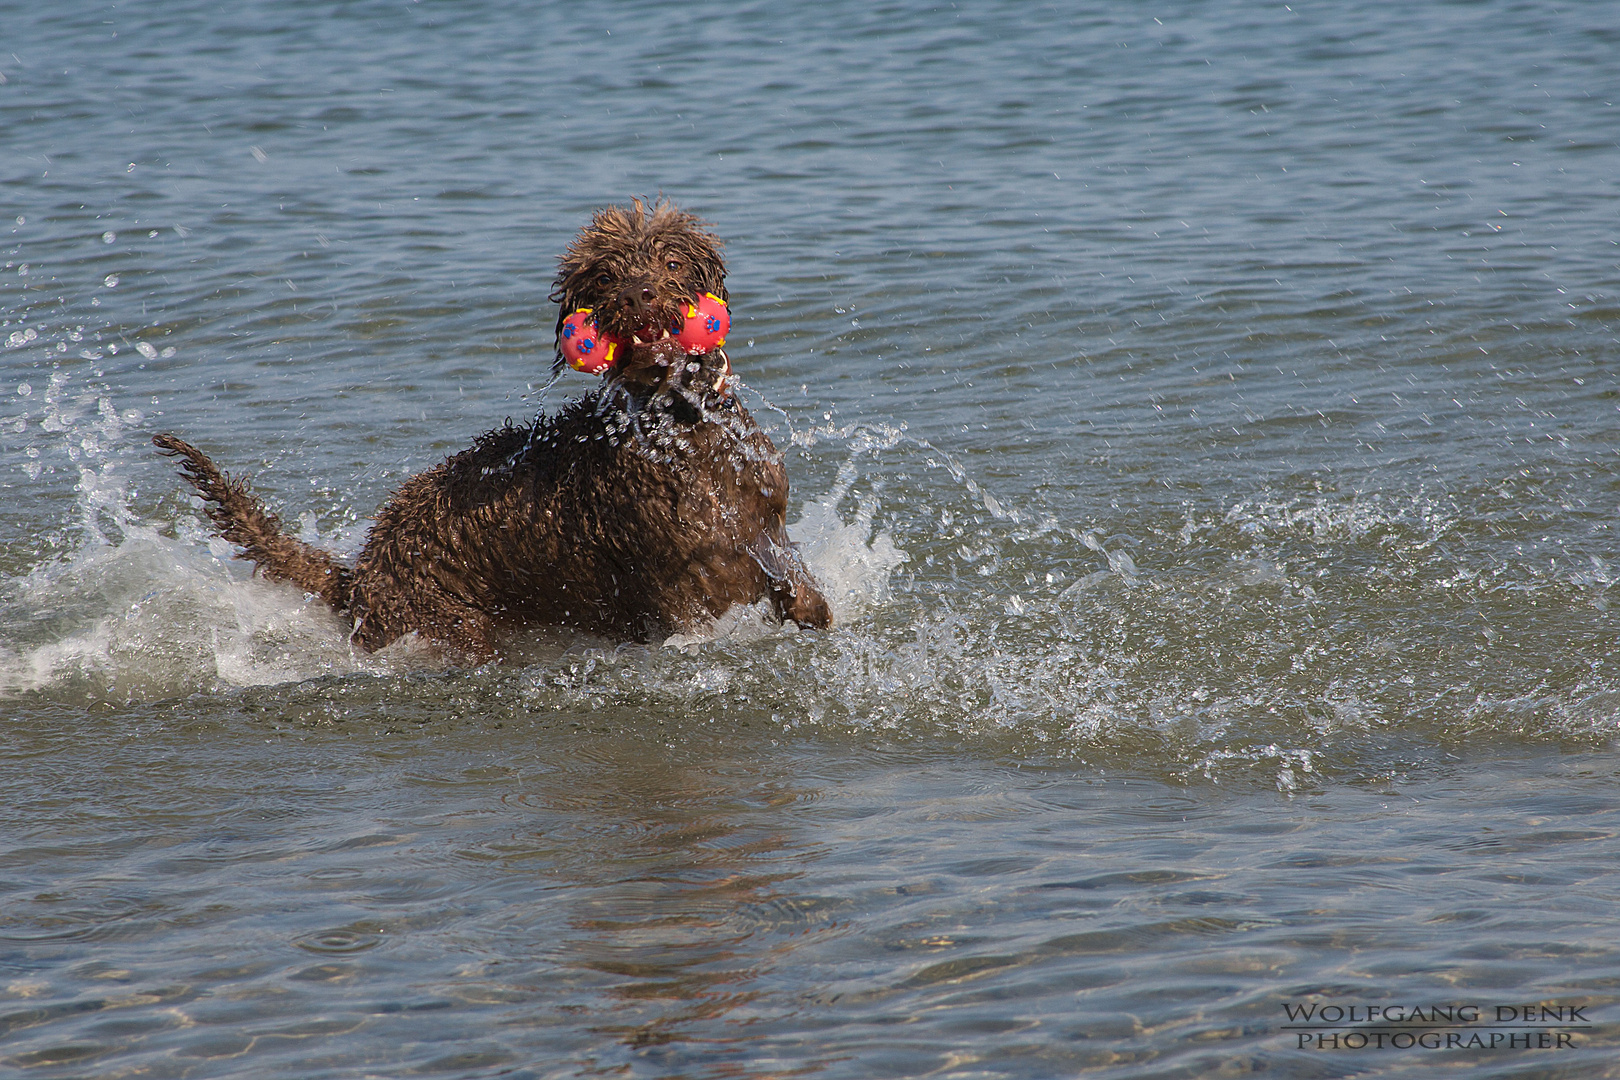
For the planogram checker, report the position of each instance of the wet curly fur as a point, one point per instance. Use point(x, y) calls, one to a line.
point(648, 506)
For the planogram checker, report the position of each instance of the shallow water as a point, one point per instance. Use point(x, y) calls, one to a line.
point(1204, 422)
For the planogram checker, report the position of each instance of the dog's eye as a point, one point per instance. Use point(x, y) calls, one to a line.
point(604, 278)
point(674, 264)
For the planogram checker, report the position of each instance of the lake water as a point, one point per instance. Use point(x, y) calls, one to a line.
point(1204, 417)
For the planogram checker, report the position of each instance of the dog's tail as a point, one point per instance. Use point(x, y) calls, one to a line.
point(242, 519)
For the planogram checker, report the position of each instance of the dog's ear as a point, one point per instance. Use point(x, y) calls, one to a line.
point(562, 296)
point(701, 252)
point(612, 229)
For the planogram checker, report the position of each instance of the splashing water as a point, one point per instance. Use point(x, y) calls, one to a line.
point(852, 560)
point(1276, 632)
point(128, 612)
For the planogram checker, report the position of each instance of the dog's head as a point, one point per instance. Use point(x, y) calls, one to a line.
point(634, 267)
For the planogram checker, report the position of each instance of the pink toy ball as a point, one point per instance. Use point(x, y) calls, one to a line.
point(707, 323)
point(584, 347)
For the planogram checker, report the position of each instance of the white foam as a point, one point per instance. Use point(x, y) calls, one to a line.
point(852, 560)
point(131, 613)
point(741, 622)
point(150, 616)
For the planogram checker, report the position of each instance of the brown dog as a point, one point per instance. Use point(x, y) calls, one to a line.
point(648, 506)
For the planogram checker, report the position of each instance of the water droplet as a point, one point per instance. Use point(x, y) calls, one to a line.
point(111, 281)
point(108, 237)
point(146, 349)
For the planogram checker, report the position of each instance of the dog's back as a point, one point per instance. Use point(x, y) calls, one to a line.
point(627, 522)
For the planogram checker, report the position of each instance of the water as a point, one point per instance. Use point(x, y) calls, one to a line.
point(1204, 420)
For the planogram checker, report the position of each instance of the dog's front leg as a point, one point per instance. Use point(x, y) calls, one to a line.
point(794, 593)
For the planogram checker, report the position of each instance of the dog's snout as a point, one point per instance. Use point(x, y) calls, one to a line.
point(637, 295)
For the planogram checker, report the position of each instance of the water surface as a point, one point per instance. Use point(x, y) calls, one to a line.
point(1204, 419)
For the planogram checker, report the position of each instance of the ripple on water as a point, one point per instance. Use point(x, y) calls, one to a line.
point(341, 940)
point(78, 917)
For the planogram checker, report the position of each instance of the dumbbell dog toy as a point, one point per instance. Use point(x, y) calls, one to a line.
point(704, 325)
